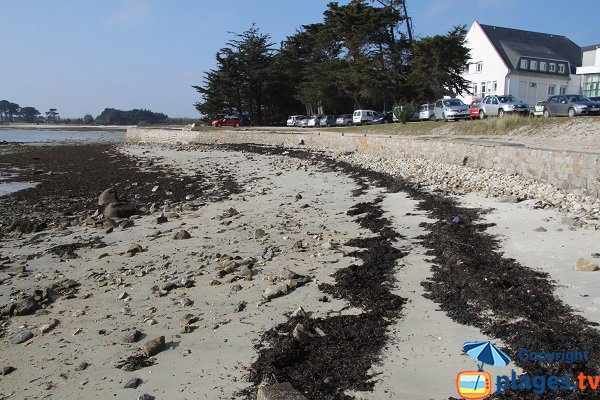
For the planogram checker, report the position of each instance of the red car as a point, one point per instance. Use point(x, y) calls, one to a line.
point(474, 109)
point(230, 121)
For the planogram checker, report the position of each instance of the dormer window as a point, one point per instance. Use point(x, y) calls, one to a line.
point(543, 66)
point(533, 65)
point(552, 67)
point(561, 68)
point(523, 64)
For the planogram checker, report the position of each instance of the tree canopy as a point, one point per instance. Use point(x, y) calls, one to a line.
point(112, 116)
point(362, 55)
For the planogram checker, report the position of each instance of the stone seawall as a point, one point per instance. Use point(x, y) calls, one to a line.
point(578, 172)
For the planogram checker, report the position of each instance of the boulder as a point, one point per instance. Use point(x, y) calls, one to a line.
point(22, 337)
point(107, 197)
point(153, 346)
point(181, 235)
point(25, 306)
point(275, 291)
point(120, 209)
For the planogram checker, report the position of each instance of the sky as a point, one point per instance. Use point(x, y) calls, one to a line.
point(81, 56)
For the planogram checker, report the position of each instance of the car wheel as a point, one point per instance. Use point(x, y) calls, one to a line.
point(481, 114)
point(500, 113)
point(546, 114)
point(571, 112)
point(349, 124)
point(218, 125)
point(237, 125)
point(432, 118)
point(444, 117)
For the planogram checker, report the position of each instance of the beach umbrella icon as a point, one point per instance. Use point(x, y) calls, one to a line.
point(486, 353)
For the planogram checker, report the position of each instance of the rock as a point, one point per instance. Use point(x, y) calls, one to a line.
point(22, 336)
point(107, 197)
point(275, 291)
point(7, 370)
point(146, 396)
point(241, 306)
point(133, 249)
point(279, 391)
point(298, 246)
point(188, 319)
point(246, 272)
point(48, 326)
point(82, 366)
point(132, 337)
point(301, 333)
point(214, 282)
point(25, 306)
point(508, 199)
point(181, 235)
point(120, 209)
point(299, 313)
point(259, 233)
point(236, 288)
point(585, 266)
point(298, 197)
point(161, 219)
point(186, 302)
point(155, 189)
point(540, 229)
point(133, 383)
point(128, 223)
point(123, 296)
point(153, 346)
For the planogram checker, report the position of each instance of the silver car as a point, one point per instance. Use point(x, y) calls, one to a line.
point(501, 105)
point(450, 110)
point(570, 105)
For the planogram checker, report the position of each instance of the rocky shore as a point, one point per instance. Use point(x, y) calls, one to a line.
point(245, 271)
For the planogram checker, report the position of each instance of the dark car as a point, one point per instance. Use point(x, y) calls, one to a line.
point(595, 98)
point(231, 120)
point(384, 118)
point(327, 121)
point(344, 120)
point(279, 122)
point(570, 105)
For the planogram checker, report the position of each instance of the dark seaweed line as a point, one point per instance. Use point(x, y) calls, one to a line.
point(516, 304)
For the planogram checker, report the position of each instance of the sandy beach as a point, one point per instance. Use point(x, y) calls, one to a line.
point(293, 267)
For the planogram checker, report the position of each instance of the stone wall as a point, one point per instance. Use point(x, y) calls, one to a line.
point(574, 171)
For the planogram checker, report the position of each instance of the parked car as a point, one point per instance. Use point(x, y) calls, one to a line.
point(538, 109)
point(595, 98)
point(302, 123)
point(344, 120)
point(383, 118)
point(279, 122)
point(360, 117)
point(314, 121)
point(327, 121)
point(427, 112)
point(450, 110)
point(293, 120)
point(501, 105)
point(231, 120)
point(474, 108)
point(570, 105)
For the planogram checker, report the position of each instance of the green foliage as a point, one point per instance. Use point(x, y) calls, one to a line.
point(112, 116)
point(87, 119)
point(29, 114)
point(8, 111)
point(52, 115)
point(405, 113)
point(362, 55)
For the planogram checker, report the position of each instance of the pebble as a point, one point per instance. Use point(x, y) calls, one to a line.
point(586, 266)
point(7, 370)
point(540, 229)
point(22, 337)
point(51, 324)
point(132, 337)
point(146, 396)
point(133, 383)
point(182, 235)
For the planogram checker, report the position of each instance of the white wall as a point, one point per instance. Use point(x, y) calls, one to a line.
point(494, 69)
point(520, 86)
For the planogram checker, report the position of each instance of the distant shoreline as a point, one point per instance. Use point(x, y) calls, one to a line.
point(56, 127)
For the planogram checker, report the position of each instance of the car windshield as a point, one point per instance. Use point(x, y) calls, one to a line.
point(453, 103)
point(475, 104)
point(577, 98)
point(507, 99)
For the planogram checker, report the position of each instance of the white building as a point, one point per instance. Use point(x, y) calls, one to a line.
point(529, 65)
point(590, 71)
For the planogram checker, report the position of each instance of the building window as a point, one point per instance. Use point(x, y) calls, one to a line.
point(551, 89)
point(482, 88)
point(495, 86)
point(523, 64)
point(542, 65)
point(474, 89)
point(552, 67)
point(489, 86)
point(561, 68)
point(533, 65)
point(591, 85)
point(479, 66)
point(563, 89)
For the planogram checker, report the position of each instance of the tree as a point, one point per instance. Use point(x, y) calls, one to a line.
point(112, 116)
point(239, 83)
point(437, 64)
point(88, 119)
point(52, 115)
point(29, 114)
point(4, 110)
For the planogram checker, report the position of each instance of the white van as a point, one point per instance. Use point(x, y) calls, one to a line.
point(293, 120)
point(360, 117)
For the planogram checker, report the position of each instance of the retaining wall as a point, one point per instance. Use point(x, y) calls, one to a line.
point(575, 171)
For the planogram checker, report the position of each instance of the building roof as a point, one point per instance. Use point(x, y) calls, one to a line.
point(591, 47)
point(512, 44)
